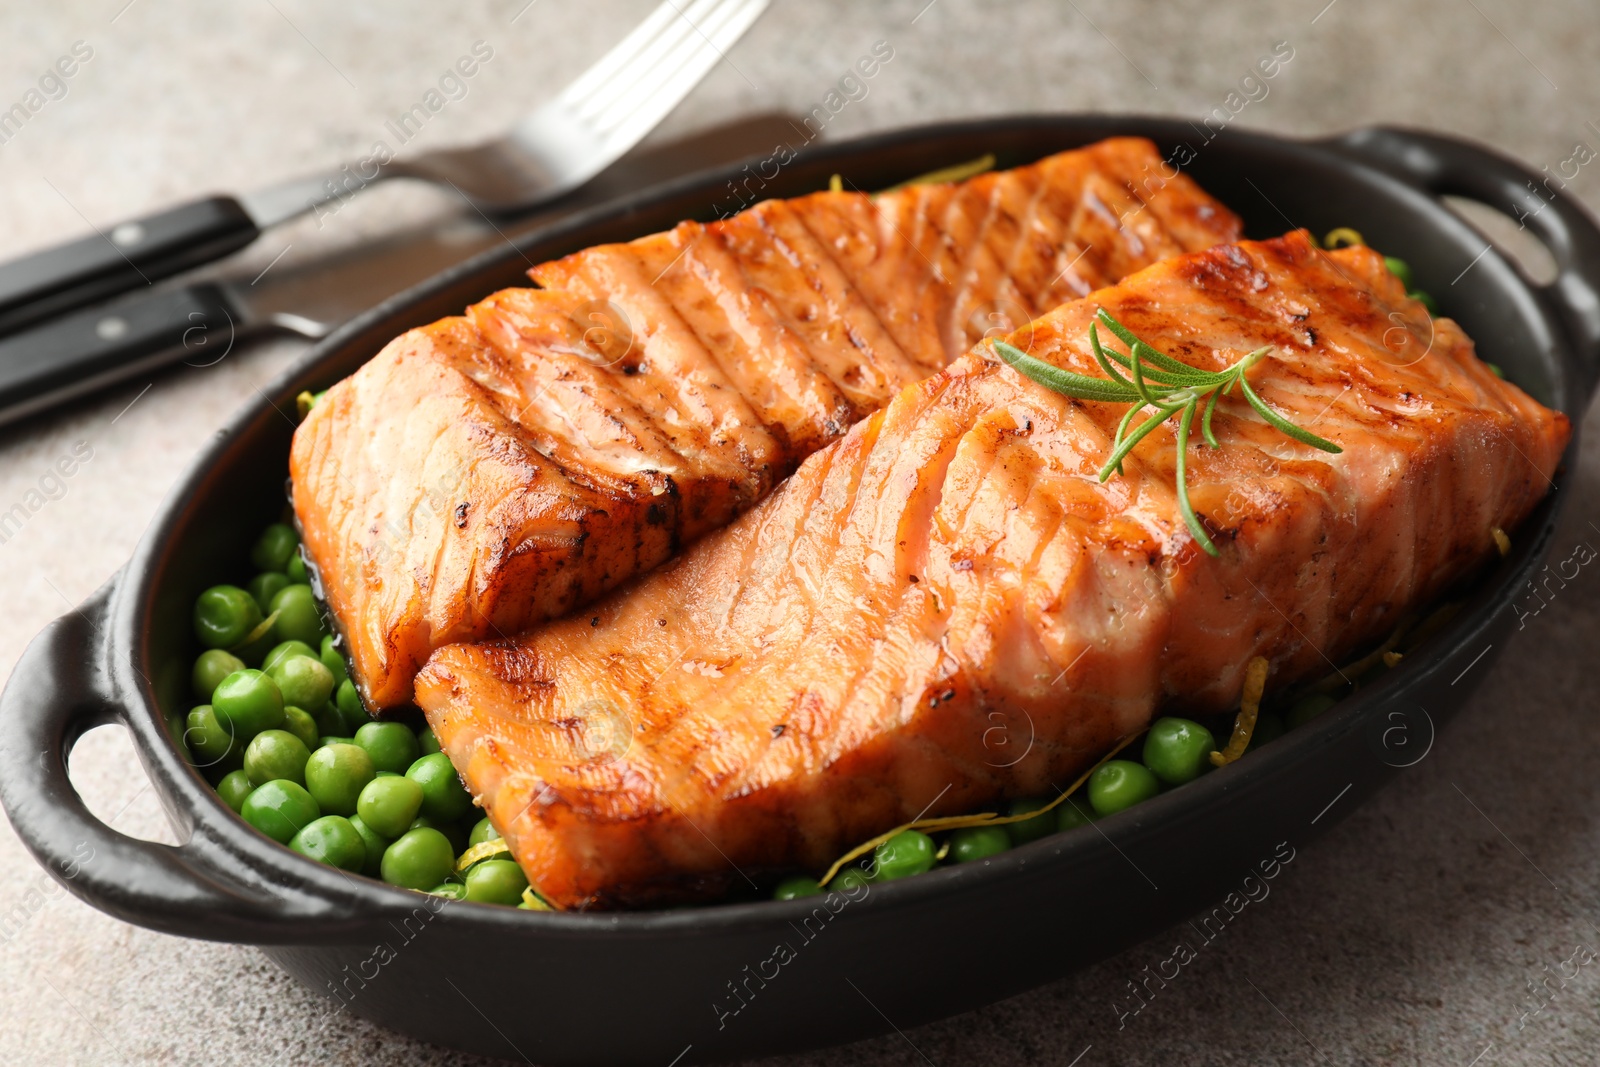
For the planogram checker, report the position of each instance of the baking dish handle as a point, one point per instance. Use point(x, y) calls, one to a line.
point(60, 688)
point(1444, 166)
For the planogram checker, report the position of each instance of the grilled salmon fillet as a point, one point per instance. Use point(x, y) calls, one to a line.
point(837, 661)
point(496, 469)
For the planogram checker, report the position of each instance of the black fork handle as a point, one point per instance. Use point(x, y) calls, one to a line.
point(128, 256)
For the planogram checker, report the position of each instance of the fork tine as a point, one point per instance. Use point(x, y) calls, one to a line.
point(632, 118)
point(666, 48)
point(622, 54)
point(607, 110)
point(648, 101)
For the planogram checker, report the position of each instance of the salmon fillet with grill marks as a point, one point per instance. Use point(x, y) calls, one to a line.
point(837, 660)
point(494, 470)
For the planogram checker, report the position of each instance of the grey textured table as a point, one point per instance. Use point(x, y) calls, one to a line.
point(1434, 926)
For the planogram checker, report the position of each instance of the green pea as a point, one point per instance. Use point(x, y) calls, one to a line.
point(419, 859)
point(300, 723)
point(1307, 708)
point(392, 745)
point(332, 840)
point(1029, 829)
point(208, 737)
point(303, 681)
point(449, 890)
point(350, 707)
point(1494, 369)
point(483, 830)
point(1074, 813)
point(453, 832)
point(331, 739)
point(375, 844)
point(800, 885)
point(247, 702)
point(1425, 300)
point(333, 659)
point(299, 618)
point(1269, 727)
point(906, 853)
point(1400, 269)
point(256, 650)
point(280, 810)
point(1178, 750)
point(444, 799)
point(275, 755)
point(233, 788)
point(496, 882)
point(389, 805)
point(224, 615)
point(264, 586)
point(216, 772)
point(427, 743)
point(848, 879)
point(329, 722)
point(1120, 784)
point(296, 569)
point(285, 650)
point(210, 668)
point(336, 775)
point(978, 843)
point(274, 547)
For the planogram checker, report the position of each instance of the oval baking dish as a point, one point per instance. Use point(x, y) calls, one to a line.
point(733, 980)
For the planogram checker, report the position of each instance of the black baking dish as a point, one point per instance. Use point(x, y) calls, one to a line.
point(714, 983)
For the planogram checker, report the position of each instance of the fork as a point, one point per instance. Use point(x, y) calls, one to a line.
point(606, 111)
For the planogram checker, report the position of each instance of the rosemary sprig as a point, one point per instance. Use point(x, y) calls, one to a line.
point(1157, 381)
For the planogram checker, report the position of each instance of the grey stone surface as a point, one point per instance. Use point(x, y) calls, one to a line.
point(1408, 935)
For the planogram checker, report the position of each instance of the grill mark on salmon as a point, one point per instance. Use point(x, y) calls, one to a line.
point(805, 693)
point(576, 452)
